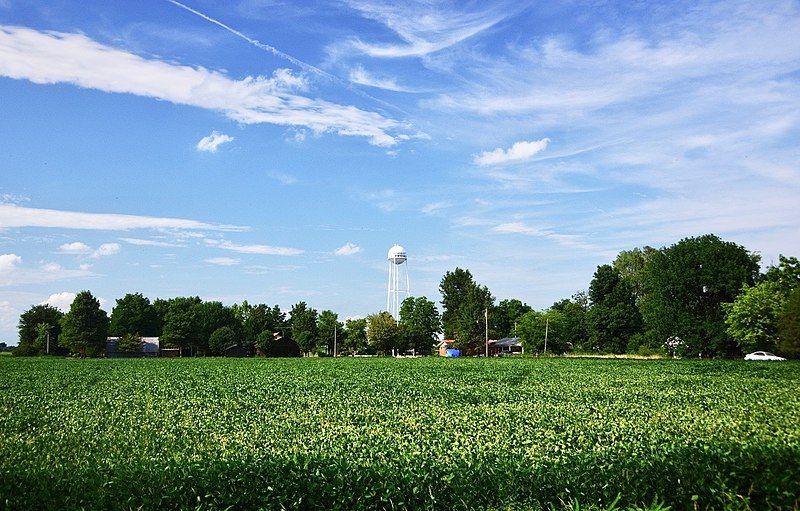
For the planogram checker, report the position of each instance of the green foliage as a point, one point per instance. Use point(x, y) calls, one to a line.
point(130, 343)
point(465, 303)
point(84, 329)
point(632, 265)
point(134, 314)
point(257, 319)
point(328, 327)
point(505, 317)
point(420, 324)
point(752, 318)
point(613, 318)
point(789, 326)
point(381, 434)
point(304, 327)
point(686, 285)
point(535, 326)
point(786, 275)
point(181, 325)
point(28, 331)
point(574, 325)
point(355, 341)
point(211, 316)
point(384, 334)
point(221, 338)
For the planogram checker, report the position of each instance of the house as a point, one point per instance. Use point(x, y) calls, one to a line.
point(508, 346)
point(235, 350)
point(150, 348)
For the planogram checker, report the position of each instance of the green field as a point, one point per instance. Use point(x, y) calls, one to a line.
point(405, 433)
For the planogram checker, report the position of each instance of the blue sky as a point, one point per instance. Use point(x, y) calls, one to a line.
point(273, 151)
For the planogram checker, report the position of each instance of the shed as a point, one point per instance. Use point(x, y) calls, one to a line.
point(509, 345)
point(235, 350)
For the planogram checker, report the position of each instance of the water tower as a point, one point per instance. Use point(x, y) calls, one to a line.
point(399, 285)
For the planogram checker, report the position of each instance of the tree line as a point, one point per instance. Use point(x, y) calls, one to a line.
point(700, 297)
point(198, 327)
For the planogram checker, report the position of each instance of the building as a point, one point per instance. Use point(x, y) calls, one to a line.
point(235, 350)
point(508, 346)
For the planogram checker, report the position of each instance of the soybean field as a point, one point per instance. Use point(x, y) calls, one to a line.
point(398, 434)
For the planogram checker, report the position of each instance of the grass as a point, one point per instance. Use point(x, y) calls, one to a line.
point(397, 434)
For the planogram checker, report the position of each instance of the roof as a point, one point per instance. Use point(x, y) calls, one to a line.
point(508, 342)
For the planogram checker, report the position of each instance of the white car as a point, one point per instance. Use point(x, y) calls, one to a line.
point(762, 355)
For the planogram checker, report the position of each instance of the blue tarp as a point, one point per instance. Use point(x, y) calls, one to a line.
point(451, 353)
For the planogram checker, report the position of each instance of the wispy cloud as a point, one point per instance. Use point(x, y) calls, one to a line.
point(568, 240)
point(211, 143)
point(56, 57)
point(14, 273)
point(519, 151)
point(361, 76)
point(433, 207)
point(253, 249)
point(149, 243)
point(18, 216)
point(222, 261)
point(80, 248)
point(347, 249)
point(283, 178)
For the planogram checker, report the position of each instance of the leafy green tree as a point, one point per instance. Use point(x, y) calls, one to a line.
point(181, 325)
point(355, 341)
point(259, 318)
point(789, 326)
point(631, 265)
point(130, 343)
point(752, 318)
point(613, 318)
point(84, 329)
point(535, 326)
point(134, 313)
point(328, 328)
point(212, 316)
point(420, 323)
point(304, 327)
point(28, 331)
point(465, 303)
point(786, 275)
point(383, 333)
point(685, 287)
point(574, 325)
point(506, 315)
point(160, 308)
point(220, 339)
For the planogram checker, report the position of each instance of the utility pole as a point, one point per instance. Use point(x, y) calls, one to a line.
point(335, 327)
point(48, 339)
point(546, 326)
point(486, 324)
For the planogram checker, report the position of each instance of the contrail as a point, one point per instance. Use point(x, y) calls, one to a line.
point(278, 53)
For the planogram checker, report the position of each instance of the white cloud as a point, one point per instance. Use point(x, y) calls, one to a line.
point(56, 57)
point(210, 143)
point(348, 249)
point(18, 216)
point(76, 247)
point(254, 249)
point(222, 261)
point(9, 262)
point(361, 76)
point(567, 240)
point(149, 243)
point(282, 178)
point(433, 207)
point(106, 249)
point(520, 151)
point(60, 301)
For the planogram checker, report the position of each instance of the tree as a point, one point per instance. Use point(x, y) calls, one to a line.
point(535, 326)
point(160, 308)
point(420, 323)
point(84, 329)
point(613, 318)
point(786, 275)
point(130, 343)
point(212, 316)
point(28, 332)
point(789, 326)
point(631, 265)
point(258, 318)
point(685, 287)
point(752, 318)
point(304, 327)
point(506, 316)
point(181, 327)
point(355, 340)
point(328, 329)
point(134, 313)
point(465, 303)
point(575, 328)
point(383, 333)
point(220, 339)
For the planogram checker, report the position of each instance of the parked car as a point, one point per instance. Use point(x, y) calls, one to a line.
point(762, 355)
